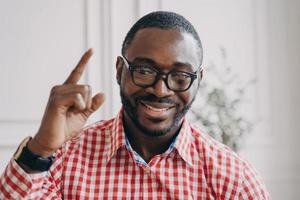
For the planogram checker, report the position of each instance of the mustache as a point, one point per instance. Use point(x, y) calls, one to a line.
point(153, 98)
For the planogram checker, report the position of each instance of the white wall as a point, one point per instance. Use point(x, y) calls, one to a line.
point(42, 40)
point(39, 43)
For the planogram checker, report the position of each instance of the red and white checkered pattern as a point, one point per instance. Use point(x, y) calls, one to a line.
point(98, 165)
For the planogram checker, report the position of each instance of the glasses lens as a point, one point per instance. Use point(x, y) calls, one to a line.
point(143, 76)
point(179, 81)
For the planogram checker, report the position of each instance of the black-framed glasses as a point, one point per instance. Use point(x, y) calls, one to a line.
point(144, 76)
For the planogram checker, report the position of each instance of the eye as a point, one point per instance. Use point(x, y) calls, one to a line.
point(144, 70)
point(179, 80)
point(180, 76)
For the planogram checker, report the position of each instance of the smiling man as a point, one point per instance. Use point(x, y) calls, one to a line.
point(149, 151)
point(158, 78)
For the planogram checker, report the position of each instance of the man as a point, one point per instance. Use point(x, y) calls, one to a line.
point(149, 151)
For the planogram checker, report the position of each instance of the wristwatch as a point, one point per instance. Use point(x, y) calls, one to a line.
point(35, 162)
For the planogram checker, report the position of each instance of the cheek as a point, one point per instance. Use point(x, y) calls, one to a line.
point(188, 96)
point(185, 98)
point(127, 86)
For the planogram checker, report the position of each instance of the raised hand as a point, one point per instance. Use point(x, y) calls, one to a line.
point(68, 108)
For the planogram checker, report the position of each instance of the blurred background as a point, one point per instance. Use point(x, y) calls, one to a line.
point(251, 43)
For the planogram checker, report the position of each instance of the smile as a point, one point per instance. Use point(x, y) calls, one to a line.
point(157, 107)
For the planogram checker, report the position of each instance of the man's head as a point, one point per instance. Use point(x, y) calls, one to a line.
point(159, 72)
point(163, 20)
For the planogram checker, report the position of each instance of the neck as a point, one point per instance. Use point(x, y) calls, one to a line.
point(147, 146)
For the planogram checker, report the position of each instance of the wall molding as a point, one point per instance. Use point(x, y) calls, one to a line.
point(98, 36)
point(260, 32)
point(12, 133)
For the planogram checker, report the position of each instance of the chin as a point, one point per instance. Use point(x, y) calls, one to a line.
point(153, 131)
point(155, 128)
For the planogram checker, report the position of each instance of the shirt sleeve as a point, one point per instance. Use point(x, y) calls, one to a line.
point(15, 183)
point(253, 187)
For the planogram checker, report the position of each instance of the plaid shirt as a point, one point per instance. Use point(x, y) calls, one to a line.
point(100, 164)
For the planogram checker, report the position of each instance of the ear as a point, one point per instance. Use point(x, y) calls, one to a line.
point(200, 76)
point(119, 68)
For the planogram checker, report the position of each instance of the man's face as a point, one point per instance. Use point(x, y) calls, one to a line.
point(156, 110)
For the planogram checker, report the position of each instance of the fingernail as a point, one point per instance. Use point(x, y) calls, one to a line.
point(91, 50)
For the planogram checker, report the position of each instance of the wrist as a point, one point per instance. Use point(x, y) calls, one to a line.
point(30, 161)
point(38, 148)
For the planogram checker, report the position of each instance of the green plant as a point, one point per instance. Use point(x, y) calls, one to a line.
point(220, 104)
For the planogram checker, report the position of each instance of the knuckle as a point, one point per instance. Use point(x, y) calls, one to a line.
point(74, 71)
point(53, 102)
point(77, 96)
point(87, 88)
point(54, 89)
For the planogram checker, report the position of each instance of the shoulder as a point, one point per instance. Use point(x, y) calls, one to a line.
point(92, 137)
point(225, 171)
point(213, 152)
point(98, 127)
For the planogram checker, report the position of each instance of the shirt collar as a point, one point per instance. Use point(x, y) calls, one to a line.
point(182, 143)
point(117, 136)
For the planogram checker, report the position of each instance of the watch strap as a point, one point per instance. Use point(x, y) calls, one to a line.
point(34, 161)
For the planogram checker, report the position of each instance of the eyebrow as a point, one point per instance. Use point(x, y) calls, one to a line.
point(152, 62)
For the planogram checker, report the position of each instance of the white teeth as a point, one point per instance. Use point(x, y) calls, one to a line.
point(156, 109)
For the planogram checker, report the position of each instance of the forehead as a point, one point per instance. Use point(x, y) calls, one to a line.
point(165, 47)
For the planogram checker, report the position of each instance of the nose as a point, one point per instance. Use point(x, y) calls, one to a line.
point(160, 89)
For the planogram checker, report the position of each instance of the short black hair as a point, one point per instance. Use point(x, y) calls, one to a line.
point(163, 20)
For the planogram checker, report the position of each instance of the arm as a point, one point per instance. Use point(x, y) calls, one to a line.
point(68, 109)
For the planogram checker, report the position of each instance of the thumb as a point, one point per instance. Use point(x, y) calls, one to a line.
point(97, 101)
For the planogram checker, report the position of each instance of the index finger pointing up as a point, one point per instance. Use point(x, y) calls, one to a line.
point(78, 70)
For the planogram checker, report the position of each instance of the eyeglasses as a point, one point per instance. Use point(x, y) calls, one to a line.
point(144, 76)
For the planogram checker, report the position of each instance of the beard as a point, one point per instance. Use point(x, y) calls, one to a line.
point(131, 110)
